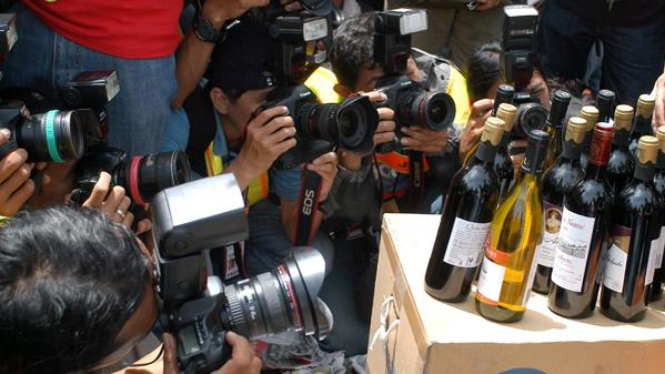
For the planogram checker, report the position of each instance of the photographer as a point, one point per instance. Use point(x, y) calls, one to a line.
point(353, 62)
point(137, 39)
point(224, 130)
point(77, 294)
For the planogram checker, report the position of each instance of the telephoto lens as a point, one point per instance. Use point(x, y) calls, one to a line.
point(530, 116)
point(54, 136)
point(147, 175)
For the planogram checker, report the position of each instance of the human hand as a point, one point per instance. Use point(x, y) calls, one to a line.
point(325, 166)
point(16, 188)
point(422, 139)
point(111, 201)
point(659, 109)
point(487, 4)
point(268, 135)
point(481, 110)
point(385, 131)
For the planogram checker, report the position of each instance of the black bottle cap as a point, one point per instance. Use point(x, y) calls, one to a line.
point(535, 152)
point(560, 104)
point(504, 94)
point(606, 95)
point(605, 104)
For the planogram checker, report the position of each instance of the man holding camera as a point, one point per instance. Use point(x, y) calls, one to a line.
point(225, 128)
point(77, 294)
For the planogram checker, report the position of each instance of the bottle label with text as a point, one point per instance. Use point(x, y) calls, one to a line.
point(467, 240)
point(572, 250)
point(547, 249)
point(651, 266)
point(617, 256)
point(661, 249)
point(490, 281)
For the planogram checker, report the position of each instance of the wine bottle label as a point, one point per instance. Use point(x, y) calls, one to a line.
point(547, 249)
point(617, 256)
point(661, 249)
point(466, 243)
point(572, 250)
point(651, 266)
point(490, 281)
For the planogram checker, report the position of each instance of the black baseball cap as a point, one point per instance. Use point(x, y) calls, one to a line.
point(240, 60)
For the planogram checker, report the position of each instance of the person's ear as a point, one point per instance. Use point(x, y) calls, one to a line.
point(342, 90)
point(220, 100)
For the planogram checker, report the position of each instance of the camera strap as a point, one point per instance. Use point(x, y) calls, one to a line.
point(416, 180)
point(308, 204)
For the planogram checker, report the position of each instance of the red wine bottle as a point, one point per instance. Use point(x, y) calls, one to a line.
point(590, 114)
point(642, 124)
point(564, 174)
point(465, 222)
point(622, 164)
point(630, 264)
point(583, 235)
point(659, 184)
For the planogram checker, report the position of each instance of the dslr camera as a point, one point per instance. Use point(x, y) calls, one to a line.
point(198, 309)
point(412, 103)
point(519, 29)
point(321, 128)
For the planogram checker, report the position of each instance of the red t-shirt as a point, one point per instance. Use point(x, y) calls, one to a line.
point(130, 29)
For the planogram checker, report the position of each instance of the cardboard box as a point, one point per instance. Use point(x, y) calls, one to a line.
point(429, 336)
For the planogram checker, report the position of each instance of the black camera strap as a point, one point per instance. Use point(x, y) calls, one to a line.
point(308, 204)
point(416, 180)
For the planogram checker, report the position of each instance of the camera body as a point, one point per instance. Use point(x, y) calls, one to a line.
point(517, 63)
point(8, 35)
point(198, 309)
point(320, 128)
point(414, 106)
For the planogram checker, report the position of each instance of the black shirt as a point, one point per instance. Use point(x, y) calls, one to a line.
point(623, 12)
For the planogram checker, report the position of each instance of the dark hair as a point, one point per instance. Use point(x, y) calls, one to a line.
point(353, 48)
point(69, 280)
point(483, 70)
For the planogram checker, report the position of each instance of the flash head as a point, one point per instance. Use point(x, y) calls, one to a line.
point(91, 89)
point(207, 213)
point(401, 21)
point(8, 35)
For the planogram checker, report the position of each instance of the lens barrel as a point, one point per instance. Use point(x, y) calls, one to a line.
point(54, 136)
point(434, 110)
point(530, 116)
point(145, 176)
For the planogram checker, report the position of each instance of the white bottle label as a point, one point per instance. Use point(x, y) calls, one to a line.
point(572, 251)
point(466, 244)
point(651, 266)
point(659, 252)
point(490, 281)
point(547, 249)
point(617, 257)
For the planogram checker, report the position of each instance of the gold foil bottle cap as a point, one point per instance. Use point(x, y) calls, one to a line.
point(645, 105)
point(507, 113)
point(647, 149)
point(576, 129)
point(493, 131)
point(623, 117)
point(660, 134)
point(590, 114)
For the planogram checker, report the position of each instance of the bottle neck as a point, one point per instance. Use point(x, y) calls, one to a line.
point(660, 164)
point(642, 126)
point(505, 140)
point(485, 153)
point(621, 139)
point(571, 151)
point(644, 171)
point(586, 144)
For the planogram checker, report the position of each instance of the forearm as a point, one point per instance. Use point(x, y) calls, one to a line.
point(242, 173)
point(350, 161)
point(193, 57)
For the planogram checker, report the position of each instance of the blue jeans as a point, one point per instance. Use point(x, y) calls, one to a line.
point(44, 60)
point(633, 56)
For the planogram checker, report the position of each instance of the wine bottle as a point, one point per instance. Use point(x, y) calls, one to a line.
point(642, 124)
point(584, 234)
point(465, 222)
point(630, 265)
point(503, 164)
point(504, 94)
point(605, 104)
point(622, 164)
point(565, 173)
point(554, 126)
point(659, 184)
point(517, 228)
point(590, 114)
